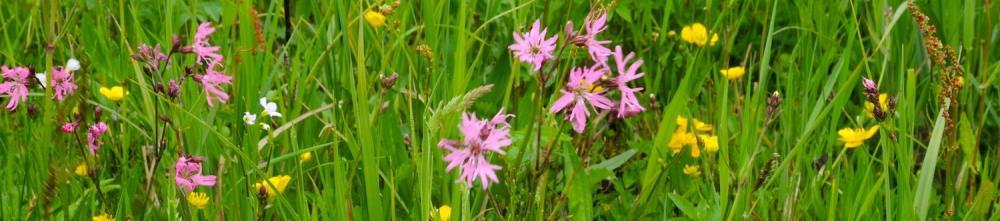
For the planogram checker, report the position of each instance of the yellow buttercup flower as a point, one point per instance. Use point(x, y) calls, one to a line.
point(115, 93)
point(374, 18)
point(855, 137)
point(697, 34)
point(275, 185)
point(692, 170)
point(198, 200)
point(702, 126)
point(883, 102)
point(81, 170)
point(104, 217)
point(733, 72)
point(711, 143)
point(306, 157)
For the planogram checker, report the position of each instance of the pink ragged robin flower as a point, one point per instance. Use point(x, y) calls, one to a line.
point(206, 53)
point(69, 127)
point(187, 173)
point(481, 136)
point(593, 25)
point(62, 83)
point(17, 88)
point(210, 82)
point(532, 47)
point(582, 89)
point(629, 104)
point(94, 135)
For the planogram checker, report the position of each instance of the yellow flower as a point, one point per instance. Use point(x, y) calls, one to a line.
point(855, 137)
point(81, 170)
point(697, 34)
point(445, 212)
point(682, 123)
point(733, 72)
point(198, 200)
point(883, 102)
point(692, 170)
point(711, 143)
point(375, 19)
point(695, 150)
point(116, 93)
point(306, 157)
point(275, 185)
point(961, 81)
point(702, 126)
point(679, 139)
point(104, 217)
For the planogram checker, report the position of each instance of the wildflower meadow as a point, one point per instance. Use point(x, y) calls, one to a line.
point(499, 110)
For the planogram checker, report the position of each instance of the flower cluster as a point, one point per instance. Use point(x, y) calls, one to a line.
point(702, 133)
point(16, 81)
point(481, 136)
point(270, 110)
point(885, 105)
point(589, 86)
point(697, 34)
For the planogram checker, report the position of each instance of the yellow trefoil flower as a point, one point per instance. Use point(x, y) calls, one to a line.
point(855, 137)
point(115, 93)
point(692, 170)
point(445, 212)
point(681, 138)
point(883, 102)
point(702, 126)
point(275, 185)
point(104, 217)
point(197, 199)
point(81, 170)
point(306, 157)
point(375, 19)
point(697, 34)
point(711, 143)
point(733, 72)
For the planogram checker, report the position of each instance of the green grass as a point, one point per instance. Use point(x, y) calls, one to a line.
point(375, 148)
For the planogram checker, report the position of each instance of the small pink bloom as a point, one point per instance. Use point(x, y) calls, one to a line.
point(205, 52)
point(532, 47)
point(629, 104)
point(62, 83)
point(69, 127)
point(594, 25)
point(93, 136)
point(582, 89)
point(17, 88)
point(211, 81)
point(481, 135)
point(187, 173)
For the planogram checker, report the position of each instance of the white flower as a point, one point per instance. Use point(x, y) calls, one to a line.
point(41, 79)
point(270, 108)
point(72, 64)
point(265, 126)
point(250, 119)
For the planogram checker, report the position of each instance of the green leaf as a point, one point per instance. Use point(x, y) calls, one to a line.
point(614, 162)
point(922, 200)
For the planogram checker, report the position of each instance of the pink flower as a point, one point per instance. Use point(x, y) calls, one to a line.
point(62, 83)
point(17, 88)
point(210, 82)
point(582, 90)
point(594, 25)
point(206, 53)
point(629, 105)
point(481, 135)
point(93, 134)
point(69, 127)
point(187, 173)
point(532, 47)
